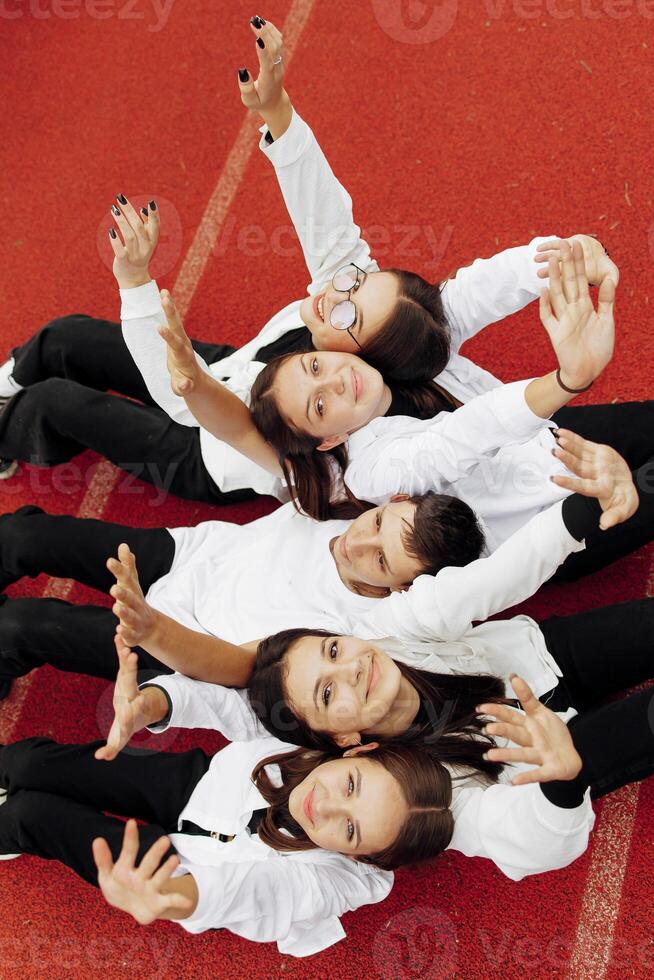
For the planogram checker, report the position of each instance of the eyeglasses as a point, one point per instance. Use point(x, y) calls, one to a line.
point(343, 315)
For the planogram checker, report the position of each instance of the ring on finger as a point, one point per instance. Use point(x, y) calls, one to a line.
point(279, 61)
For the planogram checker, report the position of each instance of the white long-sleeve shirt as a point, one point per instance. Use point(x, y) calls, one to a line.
point(295, 899)
point(517, 828)
point(245, 582)
point(321, 210)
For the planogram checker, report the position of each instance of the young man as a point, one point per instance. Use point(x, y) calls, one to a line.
point(245, 582)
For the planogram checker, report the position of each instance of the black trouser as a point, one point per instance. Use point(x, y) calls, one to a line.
point(66, 369)
point(628, 428)
point(70, 637)
point(57, 795)
point(601, 652)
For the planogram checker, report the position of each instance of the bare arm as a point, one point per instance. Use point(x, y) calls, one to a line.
point(196, 655)
point(215, 408)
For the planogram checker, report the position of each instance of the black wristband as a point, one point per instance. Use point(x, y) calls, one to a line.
point(166, 718)
point(581, 515)
point(571, 391)
point(566, 793)
point(268, 138)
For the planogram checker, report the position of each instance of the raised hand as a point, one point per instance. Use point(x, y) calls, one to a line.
point(601, 472)
point(134, 243)
point(265, 93)
point(183, 367)
point(139, 889)
point(132, 710)
point(543, 740)
point(597, 261)
point(136, 619)
point(582, 337)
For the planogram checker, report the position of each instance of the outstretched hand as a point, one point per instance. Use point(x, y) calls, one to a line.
point(183, 367)
point(583, 338)
point(138, 888)
point(599, 266)
point(130, 705)
point(543, 740)
point(136, 619)
point(265, 93)
point(134, 243)
point(600, 472)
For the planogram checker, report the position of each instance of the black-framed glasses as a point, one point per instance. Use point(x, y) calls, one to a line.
point(343, 315)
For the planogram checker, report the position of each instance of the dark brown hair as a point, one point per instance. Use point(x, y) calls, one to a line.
point(424, 783)
point(448, 727)
point(414, 342)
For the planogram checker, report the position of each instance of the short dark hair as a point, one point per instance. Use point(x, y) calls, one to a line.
point(445, 531)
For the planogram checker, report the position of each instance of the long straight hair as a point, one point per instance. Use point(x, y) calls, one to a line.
point(425, 785)
point(451, 732)
point(316, 476)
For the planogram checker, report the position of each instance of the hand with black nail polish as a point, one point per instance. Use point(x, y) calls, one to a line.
point(133, 251)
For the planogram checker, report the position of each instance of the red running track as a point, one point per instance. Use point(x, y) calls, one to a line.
point(469, 128)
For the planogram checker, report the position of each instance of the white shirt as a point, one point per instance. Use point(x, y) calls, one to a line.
point(245, 582)
point(321, 211)
point(516, 827)
point(245, 886)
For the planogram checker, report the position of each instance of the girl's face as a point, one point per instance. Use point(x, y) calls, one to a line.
point(375, 299)
point(343, 685)
point(329, 394)
point(353, 806)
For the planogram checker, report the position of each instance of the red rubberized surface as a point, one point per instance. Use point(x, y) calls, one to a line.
point(521, 119)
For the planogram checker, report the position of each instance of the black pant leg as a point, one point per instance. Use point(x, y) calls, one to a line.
point(628, 427)
point(57, 828)
point(616, 742)
point(73, 638)
point(139, 783)
point(605, 547)
point(57, 794)
point(601, 651)
point(92, 352)
point(33, 542)
point(53, 421)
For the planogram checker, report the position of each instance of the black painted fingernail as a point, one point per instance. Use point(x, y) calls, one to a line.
point(112, 233)
point(144, 211)
point(114, 210)
point(555, 433)
point(121, 198)
point(260, 42)
point(257, 21)
point(243, 74)
point(153, 205)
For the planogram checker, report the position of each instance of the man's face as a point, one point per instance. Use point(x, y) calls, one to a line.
point(371, 557)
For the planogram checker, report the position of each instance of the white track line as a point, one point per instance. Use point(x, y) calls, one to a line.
point(106, 476)
point(602, 899)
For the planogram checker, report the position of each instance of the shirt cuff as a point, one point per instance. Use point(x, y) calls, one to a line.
point(142, 301)
point(581, 515)
point(290, 146)
point(162, 725)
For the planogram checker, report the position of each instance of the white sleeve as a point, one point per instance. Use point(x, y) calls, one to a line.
point(141, 314)
point(490, 289)
point(296, 903)
point(444, 606)
point(197, 704)
point(518, 828)
point(420, 459)
point(319, 206)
